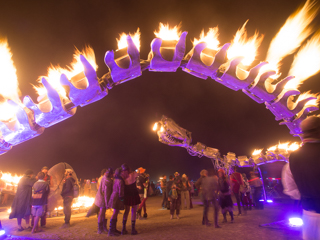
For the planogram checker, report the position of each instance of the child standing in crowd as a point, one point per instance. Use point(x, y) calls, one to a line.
point(173, 198)
point(40, 195)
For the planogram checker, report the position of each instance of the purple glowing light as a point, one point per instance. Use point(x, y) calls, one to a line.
point(295, 222)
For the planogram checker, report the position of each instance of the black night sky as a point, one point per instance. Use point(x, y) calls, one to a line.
point(118, 128)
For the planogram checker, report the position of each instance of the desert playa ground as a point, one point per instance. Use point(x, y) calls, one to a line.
point(159, 226)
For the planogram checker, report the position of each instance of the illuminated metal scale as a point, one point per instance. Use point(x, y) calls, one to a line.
point(165, 56)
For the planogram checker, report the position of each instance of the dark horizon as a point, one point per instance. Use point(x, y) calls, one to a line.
point(118, 128)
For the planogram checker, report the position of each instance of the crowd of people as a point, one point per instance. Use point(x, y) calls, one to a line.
point(124, 189)
point(214, 189)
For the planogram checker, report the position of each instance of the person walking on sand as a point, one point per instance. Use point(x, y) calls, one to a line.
point(174, 205)
point(225, 200)
point(163, 185)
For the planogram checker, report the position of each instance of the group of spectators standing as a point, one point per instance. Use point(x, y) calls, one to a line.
point(176, 193)
point(31, 200)
point(122, 189)
point(216, 190)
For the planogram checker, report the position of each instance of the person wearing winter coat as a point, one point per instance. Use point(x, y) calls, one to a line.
point(21, 206)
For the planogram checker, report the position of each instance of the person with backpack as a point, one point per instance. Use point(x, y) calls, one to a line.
point(67, 194)
point(40, 194)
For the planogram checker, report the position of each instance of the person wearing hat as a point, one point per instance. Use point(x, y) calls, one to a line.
point(300, 177)
point(21, 206)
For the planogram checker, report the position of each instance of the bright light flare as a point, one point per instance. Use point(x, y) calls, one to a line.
point(242, 46)
point(155, 126)
point(272, 149)
point(211, 38)
point(295, 30)
point(294, 146)
point(8, 81)
point(295, 222)
point(2, 232)
point(76, 67)
point(306, 63)
point(8, 178)
point(167, 33)
point(122, 41)
point(83, 201)
point(283, 146)
point(257, 152)
point(161, 129)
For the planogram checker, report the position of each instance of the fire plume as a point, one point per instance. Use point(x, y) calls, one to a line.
point(242, 46)
point(122, 41)
point(75, 68)
point(313, 102)
point(211, 38)
point(306, 63)
point(257, 152)
point(8, 82)
point(167, 33)
point(10, 179)
point(285, 146)
point(295, 30)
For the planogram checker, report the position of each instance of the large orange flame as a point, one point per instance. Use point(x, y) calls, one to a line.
point(167, 33)
point(11, 179)
point(8, 82)
point(242, 46)
point(75, 68)
point(306, 62)
point(211, 38)
point(295, 30)
point(122, 41)
point(285, 146)
point(256, 152)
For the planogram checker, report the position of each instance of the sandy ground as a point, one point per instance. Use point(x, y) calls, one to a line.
point(159, 226)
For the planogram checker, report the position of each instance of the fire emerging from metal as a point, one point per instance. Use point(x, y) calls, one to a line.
point(66, 88)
